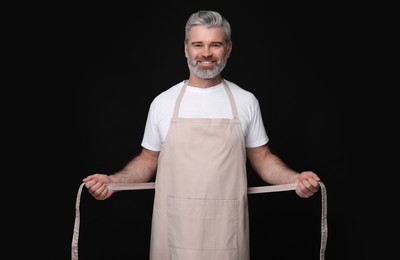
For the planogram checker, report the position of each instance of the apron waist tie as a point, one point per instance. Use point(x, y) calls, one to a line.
point(250, 190)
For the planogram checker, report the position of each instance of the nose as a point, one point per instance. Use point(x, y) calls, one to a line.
point(206, 51)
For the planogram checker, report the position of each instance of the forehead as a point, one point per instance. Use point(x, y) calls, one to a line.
point(200, 33)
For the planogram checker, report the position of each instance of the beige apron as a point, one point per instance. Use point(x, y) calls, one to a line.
point(200, 207)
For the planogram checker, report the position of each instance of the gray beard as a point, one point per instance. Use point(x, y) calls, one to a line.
point(207, 74)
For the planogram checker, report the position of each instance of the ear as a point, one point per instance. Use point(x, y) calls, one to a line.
point(185, 50)
point(229, 49)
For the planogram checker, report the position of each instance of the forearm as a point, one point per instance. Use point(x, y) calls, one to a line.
point(142, 168)
point(270, 167)
point(274, 171)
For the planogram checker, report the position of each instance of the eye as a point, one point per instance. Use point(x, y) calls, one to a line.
point(216, 45)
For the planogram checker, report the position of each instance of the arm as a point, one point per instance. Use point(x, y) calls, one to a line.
point(140, 169)
point(273, 171)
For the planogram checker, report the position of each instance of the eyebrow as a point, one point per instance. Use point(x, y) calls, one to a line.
point(200, 42)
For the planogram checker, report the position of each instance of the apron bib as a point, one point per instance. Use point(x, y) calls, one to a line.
point(200, 207)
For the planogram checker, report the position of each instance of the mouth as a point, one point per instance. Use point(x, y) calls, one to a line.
point(206, 63)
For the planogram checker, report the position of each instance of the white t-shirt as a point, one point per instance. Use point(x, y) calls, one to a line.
point(210, 102)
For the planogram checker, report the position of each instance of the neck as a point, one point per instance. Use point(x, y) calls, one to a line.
point(197, 82)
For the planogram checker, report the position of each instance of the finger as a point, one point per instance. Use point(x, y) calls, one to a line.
point(302, 191)
point(90, 183)
point(314, 182)
point(307, 188)
point(100, 189)
point(105, 193)
point(88, 178)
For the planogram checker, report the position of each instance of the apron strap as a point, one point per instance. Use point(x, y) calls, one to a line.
point(250, 190)
point(228, 92)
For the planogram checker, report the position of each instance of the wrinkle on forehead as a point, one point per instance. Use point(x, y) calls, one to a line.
point(203, 34)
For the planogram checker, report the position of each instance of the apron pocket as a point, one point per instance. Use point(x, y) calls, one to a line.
point(202, 224)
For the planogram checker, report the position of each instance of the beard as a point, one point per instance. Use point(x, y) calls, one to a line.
point(207, 74)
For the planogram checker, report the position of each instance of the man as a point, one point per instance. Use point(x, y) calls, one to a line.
point(197, 138)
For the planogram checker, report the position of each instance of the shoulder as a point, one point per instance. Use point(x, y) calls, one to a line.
point(168, 95)
point(240, 94)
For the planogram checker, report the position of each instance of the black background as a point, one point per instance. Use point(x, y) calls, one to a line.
point(295, 59)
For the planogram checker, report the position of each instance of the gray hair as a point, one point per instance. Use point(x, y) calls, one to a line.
point(210, 19)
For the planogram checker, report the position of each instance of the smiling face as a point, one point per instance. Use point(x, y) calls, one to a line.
point(207, 52)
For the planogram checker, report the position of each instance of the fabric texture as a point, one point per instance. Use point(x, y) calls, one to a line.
point(200, 206)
